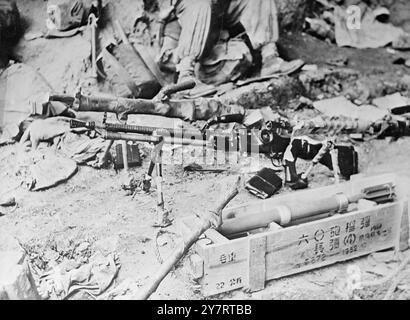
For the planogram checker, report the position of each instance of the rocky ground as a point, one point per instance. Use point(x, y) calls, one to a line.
point(92, 209)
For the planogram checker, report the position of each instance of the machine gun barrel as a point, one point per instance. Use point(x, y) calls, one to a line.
point(144, 134)
point(389, 126)
point(113, 127)
point(152, 139)
point(330, 126)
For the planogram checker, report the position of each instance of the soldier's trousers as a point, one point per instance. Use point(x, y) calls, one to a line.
point(202, 21)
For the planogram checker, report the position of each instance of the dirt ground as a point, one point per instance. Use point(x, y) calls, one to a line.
point(91, 207)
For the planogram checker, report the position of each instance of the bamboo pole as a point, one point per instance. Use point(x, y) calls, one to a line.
point(178, 253)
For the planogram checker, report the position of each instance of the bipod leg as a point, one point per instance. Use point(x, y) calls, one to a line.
point(335, 164)
point(163, 219)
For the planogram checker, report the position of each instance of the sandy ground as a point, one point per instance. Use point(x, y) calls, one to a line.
point(91, 207)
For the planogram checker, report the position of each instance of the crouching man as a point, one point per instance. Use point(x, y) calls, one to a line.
point(196, 32)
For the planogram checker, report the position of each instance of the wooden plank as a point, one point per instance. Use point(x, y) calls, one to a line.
point(202, 245)
point(225, 267)
point(228, 254)
point(257, 263)
point(314, 245)
point(405, 229)
point(224, 279)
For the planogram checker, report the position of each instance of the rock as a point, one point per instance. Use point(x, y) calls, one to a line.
point(331, 82)
point(340, 106)
point(16, 280)
point(320, 29)
point(400, 12)
point(395, 103)
point(310, 67)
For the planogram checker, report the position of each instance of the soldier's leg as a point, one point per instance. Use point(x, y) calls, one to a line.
point(260, 20)
point(258, 17)
point(200, 28)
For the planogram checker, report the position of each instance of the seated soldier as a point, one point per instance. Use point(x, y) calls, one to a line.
point(200, 26)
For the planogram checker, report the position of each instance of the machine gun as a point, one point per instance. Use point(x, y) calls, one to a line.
point(273, 140)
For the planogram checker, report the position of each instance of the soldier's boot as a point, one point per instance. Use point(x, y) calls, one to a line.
point(273, 64)
point(186, 69)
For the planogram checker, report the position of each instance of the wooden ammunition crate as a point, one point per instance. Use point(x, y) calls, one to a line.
point(221, 265)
